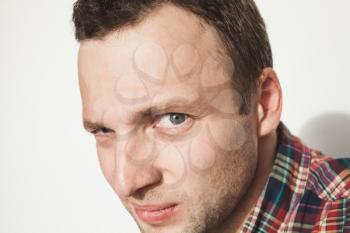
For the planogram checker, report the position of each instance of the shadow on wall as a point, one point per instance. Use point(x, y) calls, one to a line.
point(329, 133)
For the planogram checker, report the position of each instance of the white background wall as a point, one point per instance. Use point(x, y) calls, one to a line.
point(49, 175)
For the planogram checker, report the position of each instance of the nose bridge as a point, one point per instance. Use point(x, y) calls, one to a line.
point(133, 168)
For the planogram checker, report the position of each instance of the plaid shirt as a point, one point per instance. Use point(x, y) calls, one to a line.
point(306, 191)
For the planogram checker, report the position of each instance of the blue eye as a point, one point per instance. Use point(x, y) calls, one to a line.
point(176, 118)
point(171, 120)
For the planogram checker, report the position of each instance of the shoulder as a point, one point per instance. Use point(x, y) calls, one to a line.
point(329, 178)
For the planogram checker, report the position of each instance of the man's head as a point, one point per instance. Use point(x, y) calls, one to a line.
point(238, 24)
point(180, 98)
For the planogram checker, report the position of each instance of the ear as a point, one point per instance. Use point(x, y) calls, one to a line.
point(269, 102)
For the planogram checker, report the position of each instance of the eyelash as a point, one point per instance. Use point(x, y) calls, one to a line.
point(104, 130)
point(176, 129)
point(159, 118)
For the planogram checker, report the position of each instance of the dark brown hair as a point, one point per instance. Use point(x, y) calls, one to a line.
point(238, 23)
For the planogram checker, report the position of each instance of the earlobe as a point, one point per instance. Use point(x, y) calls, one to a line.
point(269, 102)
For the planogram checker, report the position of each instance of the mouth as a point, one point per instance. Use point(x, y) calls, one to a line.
point(154, 214)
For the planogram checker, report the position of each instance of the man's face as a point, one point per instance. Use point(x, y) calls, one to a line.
point(159, 99)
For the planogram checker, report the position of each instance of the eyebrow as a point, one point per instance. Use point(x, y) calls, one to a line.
point(195, 108)
point(176, 104)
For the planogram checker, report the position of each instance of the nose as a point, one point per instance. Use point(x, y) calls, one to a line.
point(134, 169)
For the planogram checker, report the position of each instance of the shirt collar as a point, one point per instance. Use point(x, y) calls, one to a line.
point(286, 182)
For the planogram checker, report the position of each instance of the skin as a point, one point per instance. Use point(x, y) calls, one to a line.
point(213, 162)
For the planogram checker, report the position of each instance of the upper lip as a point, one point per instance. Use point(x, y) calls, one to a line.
point(153, 207)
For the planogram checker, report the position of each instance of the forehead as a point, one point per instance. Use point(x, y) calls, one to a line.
point(168, 26)
point(160, 57)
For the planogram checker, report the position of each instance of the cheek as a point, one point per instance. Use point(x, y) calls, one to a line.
point(223, 154)
point(227, 134)
point(219, 144)
point(201, 155)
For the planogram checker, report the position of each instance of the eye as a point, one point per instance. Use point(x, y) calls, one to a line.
point(102, 130)
point(172, 120)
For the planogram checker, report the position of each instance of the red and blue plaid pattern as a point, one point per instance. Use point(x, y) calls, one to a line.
point(306, 191)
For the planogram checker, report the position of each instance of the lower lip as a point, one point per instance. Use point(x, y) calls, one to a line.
point(156, 216)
